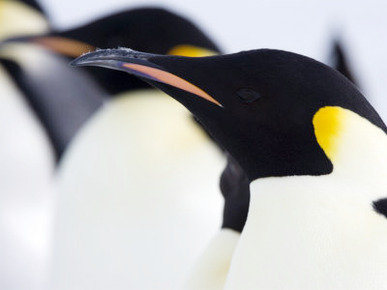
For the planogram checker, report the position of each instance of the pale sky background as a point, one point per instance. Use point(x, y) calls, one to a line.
point(301, 26)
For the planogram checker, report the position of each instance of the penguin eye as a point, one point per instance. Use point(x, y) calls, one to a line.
point(248, 96)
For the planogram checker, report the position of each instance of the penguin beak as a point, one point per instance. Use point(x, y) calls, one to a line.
point(140, 64)
point(61, 45)
point(65, 46)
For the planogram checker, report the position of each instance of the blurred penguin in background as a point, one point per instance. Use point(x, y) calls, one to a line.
point(25, 190)
point(42, 104)
point(132, 213)
point(339, 60)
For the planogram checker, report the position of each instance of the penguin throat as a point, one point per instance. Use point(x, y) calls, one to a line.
point(284, 154)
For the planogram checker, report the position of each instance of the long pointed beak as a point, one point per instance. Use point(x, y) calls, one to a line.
point(58, 44)
point(65, 46)
point(139, 64)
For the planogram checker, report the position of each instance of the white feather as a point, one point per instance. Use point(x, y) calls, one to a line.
point(139, 197)
point(319, 232)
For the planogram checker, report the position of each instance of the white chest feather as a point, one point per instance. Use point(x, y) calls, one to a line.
point(210, 271)
point(320, 232)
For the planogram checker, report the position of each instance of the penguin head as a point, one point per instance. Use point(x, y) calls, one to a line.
point(21, 17)
point(147, 29)
point(153, 30)
point(260, 105)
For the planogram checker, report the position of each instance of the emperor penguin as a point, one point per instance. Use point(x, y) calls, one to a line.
point(125, 198)
point(211, 269)
point(314, 151)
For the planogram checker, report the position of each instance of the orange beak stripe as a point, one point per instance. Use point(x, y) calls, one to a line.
point(64, 46)
point(171, 79)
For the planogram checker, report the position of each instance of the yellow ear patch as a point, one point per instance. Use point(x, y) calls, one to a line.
point(328, 123)
point(191, 51)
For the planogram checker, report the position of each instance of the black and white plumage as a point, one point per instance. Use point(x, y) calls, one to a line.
point(103, 170)
point(43, 104)
point(314, 151)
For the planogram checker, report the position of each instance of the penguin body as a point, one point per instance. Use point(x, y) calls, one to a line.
point(26, 187)
point(211, 268)
point(26, 193)
point(37, 124)
point(313, 149)
point(134, 203)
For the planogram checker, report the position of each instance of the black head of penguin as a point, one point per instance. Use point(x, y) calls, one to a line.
point(259, 105)
point(150, 29)
point(153, 30)
point(147, 29)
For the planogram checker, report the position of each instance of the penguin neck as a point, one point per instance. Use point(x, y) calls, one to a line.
point(358, 151)
point(17, 18)
point(320, 222)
